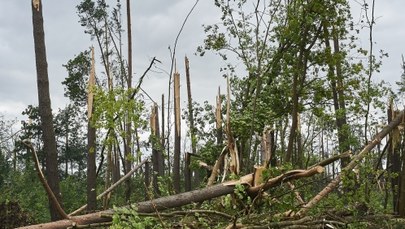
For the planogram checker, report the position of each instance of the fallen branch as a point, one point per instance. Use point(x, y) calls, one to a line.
point(291, 175)
point(333, 159)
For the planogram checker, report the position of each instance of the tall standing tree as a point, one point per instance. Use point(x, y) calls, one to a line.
point(45, 111)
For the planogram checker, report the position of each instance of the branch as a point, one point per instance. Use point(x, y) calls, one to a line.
point(332, 159)
point(41, 176)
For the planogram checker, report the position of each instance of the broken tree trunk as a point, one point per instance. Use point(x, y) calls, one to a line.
point(353, 163)
point(181, 199)
point(177, 134)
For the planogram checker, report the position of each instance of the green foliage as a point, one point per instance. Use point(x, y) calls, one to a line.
point(25, 189)
point(129, 218)
point(113, 106)
point(73, 189)
point(76, 82)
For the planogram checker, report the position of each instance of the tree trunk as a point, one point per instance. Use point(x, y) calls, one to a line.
point(177, 135)
point(91, 143)
point(45, 111)
point(128, 125)
point(157, 156)
point(336, 81)
point(91, 168)
point(187, 172)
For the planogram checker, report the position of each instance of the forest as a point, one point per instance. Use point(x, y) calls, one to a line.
point(304, 137)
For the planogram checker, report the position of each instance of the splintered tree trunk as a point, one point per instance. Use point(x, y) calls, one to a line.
point(45, 111)
point(91, 143)
point(157, 157)
point(395, 166)
point(187, 172)
point(177, 134)
point(218, 118)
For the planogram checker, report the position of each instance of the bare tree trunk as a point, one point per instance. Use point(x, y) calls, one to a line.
point(177, 134)
point(335, 77)
point(395, 166)
point(187, 172)
point(128, 125)
point(91, 142)
point(218, 118)
point(157, 157)
point(45, 110)
point(163, 137)
point(147, 179)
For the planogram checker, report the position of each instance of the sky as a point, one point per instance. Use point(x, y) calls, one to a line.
point(155, 27)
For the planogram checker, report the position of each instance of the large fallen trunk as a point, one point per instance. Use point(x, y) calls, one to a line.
point(182, 199)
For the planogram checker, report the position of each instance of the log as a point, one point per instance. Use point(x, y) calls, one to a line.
point(181, 199)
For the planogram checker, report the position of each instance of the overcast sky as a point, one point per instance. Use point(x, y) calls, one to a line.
point(155, 26)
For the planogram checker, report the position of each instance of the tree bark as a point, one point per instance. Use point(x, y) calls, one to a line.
point(91, 143)
point(128, 124)
point(45, 111)
point(187, 172)
point(157, 157)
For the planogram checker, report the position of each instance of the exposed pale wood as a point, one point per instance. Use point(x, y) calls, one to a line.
point(232, 148)
point(217, 166)
point(291, 175)
point(218, 117)
point(177, 134)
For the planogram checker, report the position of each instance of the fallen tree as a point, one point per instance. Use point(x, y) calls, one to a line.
point(182, 199)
